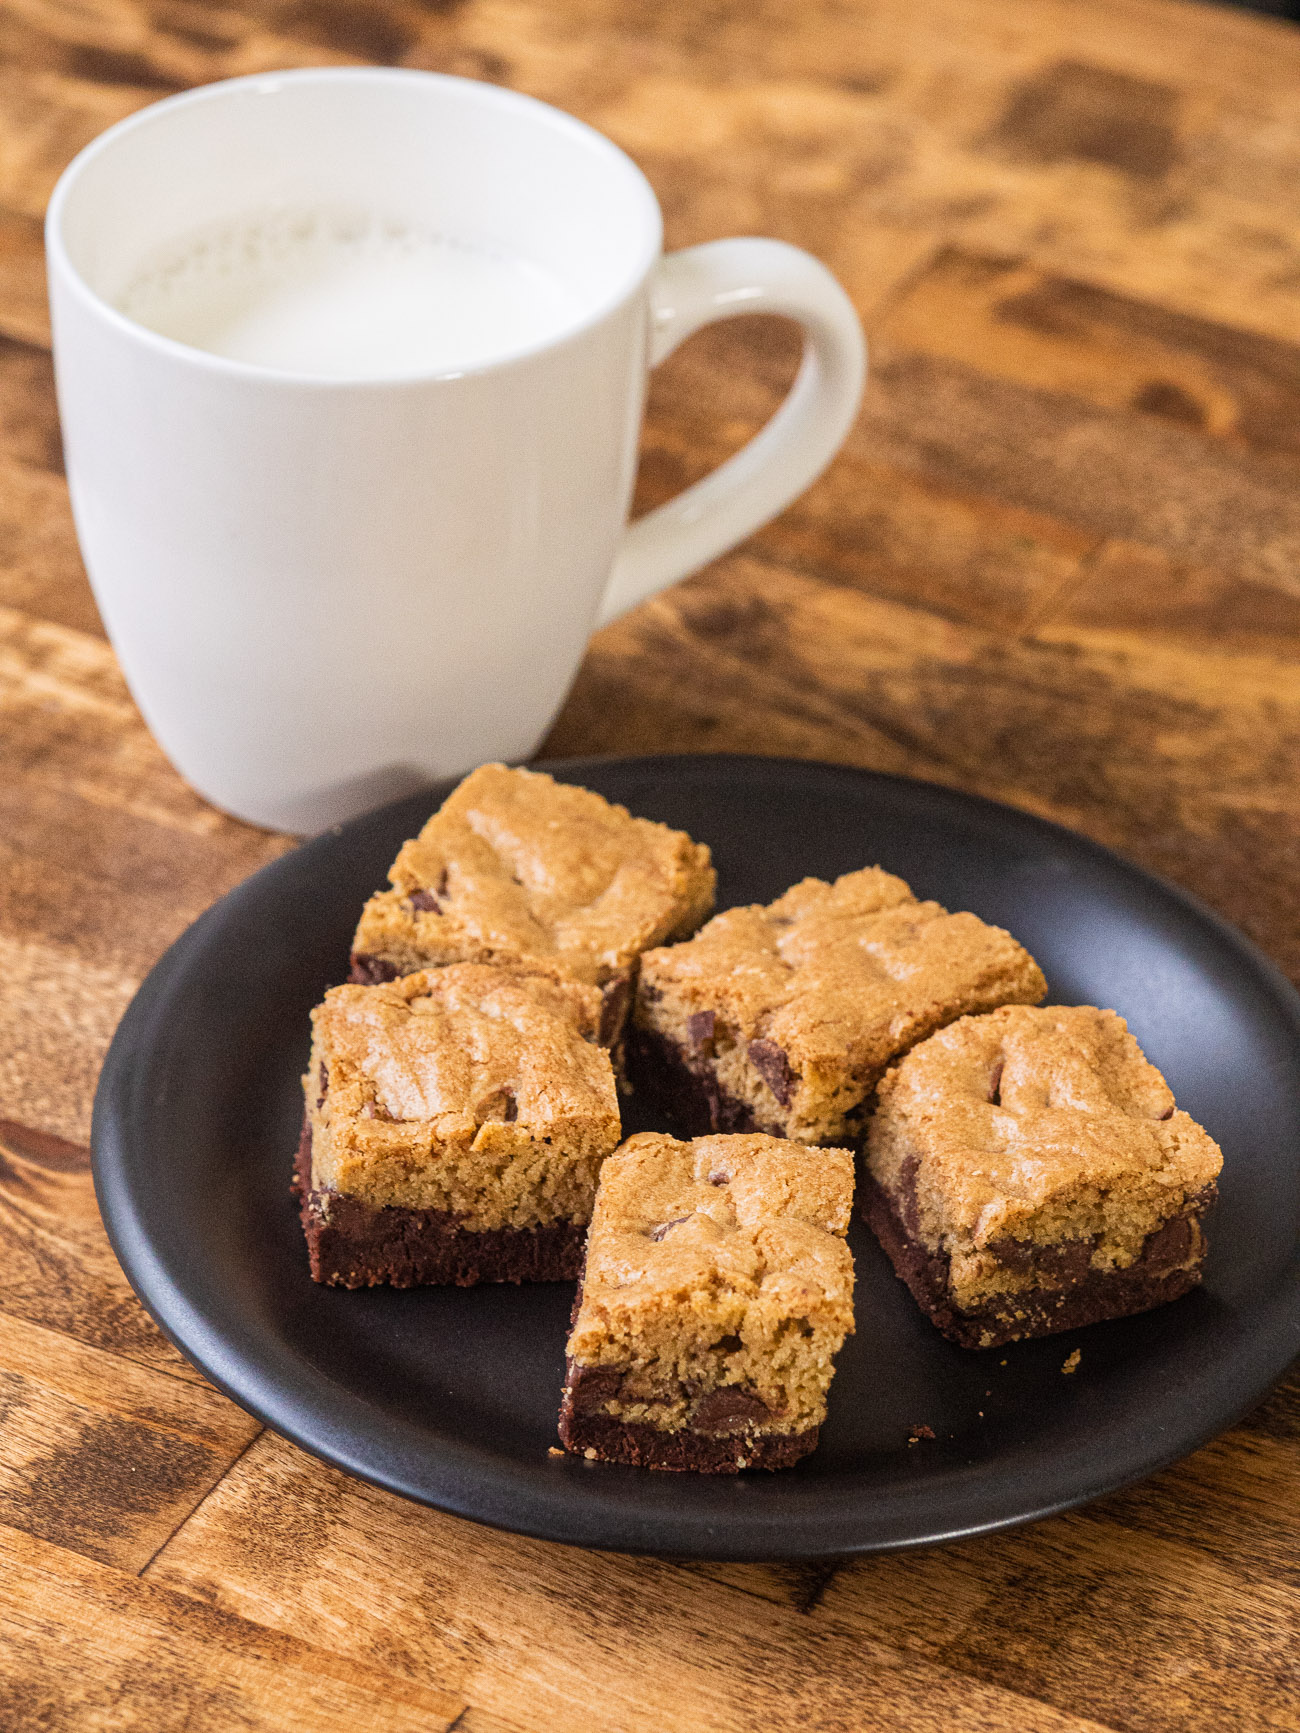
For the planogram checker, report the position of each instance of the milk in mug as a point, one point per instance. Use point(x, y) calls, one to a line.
point(345, 296)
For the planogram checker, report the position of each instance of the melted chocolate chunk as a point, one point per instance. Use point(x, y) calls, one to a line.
point(324, 1085)
point(995, 1084)
point(717, 1177)
point(503, 1106)
point(1168, 1112)
point(1059, 1263)
point(728, 1409)
point(591, 1387)
point(368, 971)
point(699, 1032)
point(773, 1065)
point(1171, 1244)
point(425, 901)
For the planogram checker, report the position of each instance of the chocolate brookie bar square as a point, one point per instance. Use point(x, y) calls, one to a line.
point(782, 1019)
point(456, 1120)
point(1029, 1172)
point(717, 1290)
point(518, 868)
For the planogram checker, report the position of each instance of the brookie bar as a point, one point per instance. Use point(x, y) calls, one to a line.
point(515, 867)
point(717, 1290)
point(456, 1120)
point(781, 1019)
point(1029, 1172)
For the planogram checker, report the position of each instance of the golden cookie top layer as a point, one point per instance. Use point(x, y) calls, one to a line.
point(466, 1045)
point(1009, 1112)
point(516, 866)
point(686, 1224)
point(844, 973)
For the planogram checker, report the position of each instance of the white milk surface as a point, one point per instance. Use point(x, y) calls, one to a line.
point(345, 297)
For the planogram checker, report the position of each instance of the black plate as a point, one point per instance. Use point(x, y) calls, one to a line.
point(449, 1396)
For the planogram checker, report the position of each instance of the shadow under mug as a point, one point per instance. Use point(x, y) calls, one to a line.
point(324, 592)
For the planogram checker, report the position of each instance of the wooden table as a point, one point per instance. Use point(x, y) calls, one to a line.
point(1058, 563)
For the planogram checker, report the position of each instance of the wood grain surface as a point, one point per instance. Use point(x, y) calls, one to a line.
point(1058, 563)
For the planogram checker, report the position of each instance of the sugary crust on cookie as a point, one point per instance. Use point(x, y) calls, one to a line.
point(471, 1089)
point(718, 1286)
point(1030, 1131)
point(794, 1010)
point(516, 867)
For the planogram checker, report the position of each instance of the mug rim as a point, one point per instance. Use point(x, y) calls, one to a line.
point(61, 264)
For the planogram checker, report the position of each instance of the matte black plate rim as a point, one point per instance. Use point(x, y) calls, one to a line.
point(469, 1482)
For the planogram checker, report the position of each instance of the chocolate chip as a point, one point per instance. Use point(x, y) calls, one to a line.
point(613, 1008)
point(324, 1084)
point(728, 1344)
point(728, 1409)
point(664, 1228)
point(699, 1032)
point(995, 1083)
point(591, 1387)
point(717, 1177)
point(773, 1065)
point(1171, 1244)
point(368, 971)
point(426, 901)
point(1168, 1112)
point(503, 1106)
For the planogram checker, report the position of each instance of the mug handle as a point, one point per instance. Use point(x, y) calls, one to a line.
point(721, 280)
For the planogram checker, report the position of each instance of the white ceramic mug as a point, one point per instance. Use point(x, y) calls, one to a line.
point(325, 591)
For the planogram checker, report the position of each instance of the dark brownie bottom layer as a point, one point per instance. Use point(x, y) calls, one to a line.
point(640, 1445)
point(1077, 1293)
point(717, 1445)
point(353, 1245)
point(691, 1101)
